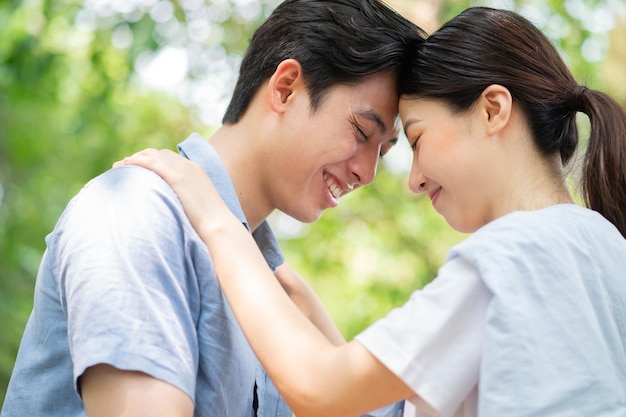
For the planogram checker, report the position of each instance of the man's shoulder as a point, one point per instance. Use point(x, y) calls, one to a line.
point(132, 183)
point(135, 189)
point(126, 201)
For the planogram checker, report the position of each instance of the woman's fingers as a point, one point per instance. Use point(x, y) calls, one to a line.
point(146, 158)
point(188, 180)
point(171, 166)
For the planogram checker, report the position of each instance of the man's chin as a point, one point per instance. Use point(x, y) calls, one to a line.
point(307, 217)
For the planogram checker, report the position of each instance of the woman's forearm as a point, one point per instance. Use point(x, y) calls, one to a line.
point(308, 302)
point(314, 376)
point(251, 288)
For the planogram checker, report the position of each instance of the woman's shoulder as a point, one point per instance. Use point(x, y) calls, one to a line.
point(563, 240)
point(566, 223)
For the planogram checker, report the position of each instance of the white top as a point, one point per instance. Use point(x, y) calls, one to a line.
point(439, 358)
point(534, 303)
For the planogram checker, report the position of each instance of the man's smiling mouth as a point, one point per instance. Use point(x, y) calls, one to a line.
point(335, 189)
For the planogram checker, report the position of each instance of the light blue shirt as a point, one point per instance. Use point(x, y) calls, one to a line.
point(555, 331)
point(126, 281)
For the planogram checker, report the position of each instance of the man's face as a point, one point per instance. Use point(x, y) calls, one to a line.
point(334, 150)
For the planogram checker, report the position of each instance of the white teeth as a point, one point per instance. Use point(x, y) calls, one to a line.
point(334, 189)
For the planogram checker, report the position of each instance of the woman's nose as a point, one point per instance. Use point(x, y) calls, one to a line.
point(417, 180)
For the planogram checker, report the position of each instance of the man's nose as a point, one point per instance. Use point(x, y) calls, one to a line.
point(363, 166)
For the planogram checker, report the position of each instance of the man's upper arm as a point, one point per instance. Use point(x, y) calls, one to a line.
point(111, 392)
point(124, 280)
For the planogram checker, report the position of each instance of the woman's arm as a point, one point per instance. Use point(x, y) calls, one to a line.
point(309, 303)
point(314, 376)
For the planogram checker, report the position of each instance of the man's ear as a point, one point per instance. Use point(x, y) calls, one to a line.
point(496, 104)
point(286, 80)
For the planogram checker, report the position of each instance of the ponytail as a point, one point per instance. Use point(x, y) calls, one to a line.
point(604, 168)
point(484, 46)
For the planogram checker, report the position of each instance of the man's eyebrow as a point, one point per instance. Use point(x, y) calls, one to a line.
point(373, 116)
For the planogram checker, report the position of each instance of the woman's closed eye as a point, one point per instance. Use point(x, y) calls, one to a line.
point(414, 143)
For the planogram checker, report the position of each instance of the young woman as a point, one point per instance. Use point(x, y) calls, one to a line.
point(528, 314)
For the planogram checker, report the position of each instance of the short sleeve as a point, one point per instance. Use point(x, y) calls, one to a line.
point(434, 342)
point(124, 280)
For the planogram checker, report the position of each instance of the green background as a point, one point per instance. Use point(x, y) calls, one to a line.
point(77, 92)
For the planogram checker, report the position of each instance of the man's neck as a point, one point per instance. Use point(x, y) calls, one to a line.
point(242, 165)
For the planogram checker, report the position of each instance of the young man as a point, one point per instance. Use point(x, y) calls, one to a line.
point(128, 317)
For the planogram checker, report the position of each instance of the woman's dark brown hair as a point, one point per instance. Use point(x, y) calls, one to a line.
point(484, 46)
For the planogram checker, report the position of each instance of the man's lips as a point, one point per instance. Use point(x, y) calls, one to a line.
point(335, 187)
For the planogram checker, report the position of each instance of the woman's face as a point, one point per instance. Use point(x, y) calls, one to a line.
point(450, 161)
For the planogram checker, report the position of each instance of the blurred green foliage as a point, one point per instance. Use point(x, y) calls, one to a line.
point(71, 103)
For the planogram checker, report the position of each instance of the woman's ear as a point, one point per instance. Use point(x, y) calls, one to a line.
point(496, 104)
point(286, 80)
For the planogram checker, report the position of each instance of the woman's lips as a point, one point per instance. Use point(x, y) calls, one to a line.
point(434, 194)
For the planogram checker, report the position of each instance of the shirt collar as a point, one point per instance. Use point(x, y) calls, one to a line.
point(199, 150)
